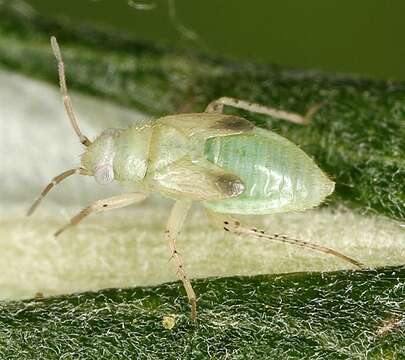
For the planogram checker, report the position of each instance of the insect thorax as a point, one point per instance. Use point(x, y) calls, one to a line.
point(129, 155)
point(131, 158)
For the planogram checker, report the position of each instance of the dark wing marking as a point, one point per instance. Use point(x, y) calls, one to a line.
point(207, 124)
point(197, 179)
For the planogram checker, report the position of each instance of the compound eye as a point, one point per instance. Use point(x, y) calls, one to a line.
point(104, 174)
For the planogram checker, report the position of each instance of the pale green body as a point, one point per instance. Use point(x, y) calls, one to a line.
point(220, 160)
point(278, 175)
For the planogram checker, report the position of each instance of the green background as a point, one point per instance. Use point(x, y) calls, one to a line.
point(363, 36)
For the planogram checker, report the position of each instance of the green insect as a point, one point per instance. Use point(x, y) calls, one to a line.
point(222, 161)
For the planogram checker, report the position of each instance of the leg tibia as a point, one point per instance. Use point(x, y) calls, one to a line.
point(218, 106)
point(173, 228)
point(228, 223)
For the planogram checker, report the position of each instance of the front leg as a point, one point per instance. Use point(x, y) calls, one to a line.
point(174, 225)
point(114, 202)
point(218, 106)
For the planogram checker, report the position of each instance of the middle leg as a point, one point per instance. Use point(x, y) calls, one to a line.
point(175, 223)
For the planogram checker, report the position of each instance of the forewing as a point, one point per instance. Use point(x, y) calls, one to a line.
point(198, 180)
point(207, 124)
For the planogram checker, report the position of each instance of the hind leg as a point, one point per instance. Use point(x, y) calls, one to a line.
point(218, 106)
point(228, 223)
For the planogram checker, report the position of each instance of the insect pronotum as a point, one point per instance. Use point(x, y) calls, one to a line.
point(221, 161)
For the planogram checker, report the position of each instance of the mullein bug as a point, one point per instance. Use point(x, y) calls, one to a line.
point(221, 161)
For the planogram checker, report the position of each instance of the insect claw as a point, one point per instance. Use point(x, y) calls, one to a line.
point(60, 231)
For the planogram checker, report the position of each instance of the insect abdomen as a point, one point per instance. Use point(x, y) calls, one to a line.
point(278, 175)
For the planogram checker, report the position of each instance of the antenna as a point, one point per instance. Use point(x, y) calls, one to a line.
point(55, 181)
point(65, 96)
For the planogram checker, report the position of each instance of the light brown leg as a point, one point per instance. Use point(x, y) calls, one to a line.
point(114, 202)
point(175, 223)
point(218, 105)
point(228, 223)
